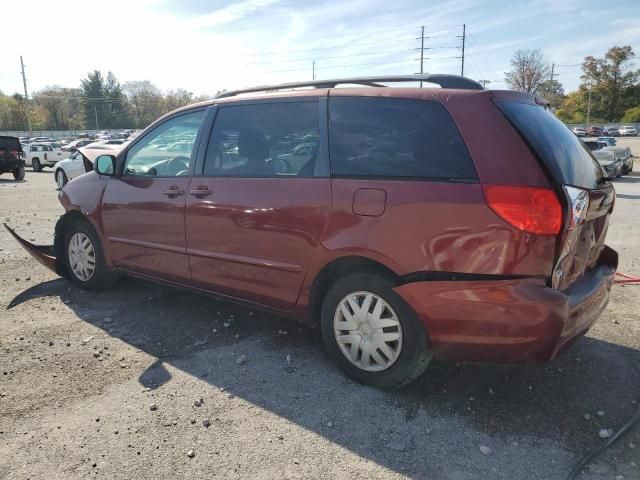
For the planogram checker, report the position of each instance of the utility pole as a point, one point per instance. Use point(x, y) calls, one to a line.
point(26, 97)
point(464, 37)
point(313, 70)
point(95, 112)
point(589, 105)
point(484, 82)
point(553, 66)
point(421, 53)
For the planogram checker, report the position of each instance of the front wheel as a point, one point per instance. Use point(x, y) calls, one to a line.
point(36, 165)
point(18, 173)
point(85, 259)
point(61, 178)
point(373, 335)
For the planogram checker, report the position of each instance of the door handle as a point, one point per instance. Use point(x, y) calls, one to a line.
point(200, 192)
point(173, 192)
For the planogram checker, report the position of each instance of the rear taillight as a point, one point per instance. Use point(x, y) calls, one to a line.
point(530, 209)
point(579, 206)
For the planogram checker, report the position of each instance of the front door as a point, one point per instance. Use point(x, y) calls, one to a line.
point(256, 212)
point(143, 209)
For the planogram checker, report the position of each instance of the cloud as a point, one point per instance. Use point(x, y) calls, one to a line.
point(229, 14)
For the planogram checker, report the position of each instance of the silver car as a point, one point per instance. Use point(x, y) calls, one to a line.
point(627, 158)
point(610, 161)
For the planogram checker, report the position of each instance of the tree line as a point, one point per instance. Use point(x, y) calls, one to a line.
point(101, 102)
point(609, 89)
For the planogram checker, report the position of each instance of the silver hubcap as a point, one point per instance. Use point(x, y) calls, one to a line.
point(368, 331)
point(60, 179)
point(82, 256)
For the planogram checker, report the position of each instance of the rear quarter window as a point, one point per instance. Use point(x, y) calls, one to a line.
point(567, 159)
point(396, 138)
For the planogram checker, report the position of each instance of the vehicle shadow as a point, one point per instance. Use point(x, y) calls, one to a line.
point(628, 179)
point(10, 180)
point(628, 196)
point(400, 430)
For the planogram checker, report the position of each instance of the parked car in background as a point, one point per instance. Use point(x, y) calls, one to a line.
point(11, 157)
point(40, 155)
point(610, 162)
point(579, 131)
point(593, 131)
point(82, 142)
point(497, 268)
point(624, 153)
point(594, 145)
point(610, 141)
point(611, 131)
point(628, 131)
point(78, 163)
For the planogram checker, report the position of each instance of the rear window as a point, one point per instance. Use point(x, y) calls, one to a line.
point(396, 138)
point(10, 142)
point(565, 156)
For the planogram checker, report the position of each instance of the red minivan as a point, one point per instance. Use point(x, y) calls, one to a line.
point(410, 222)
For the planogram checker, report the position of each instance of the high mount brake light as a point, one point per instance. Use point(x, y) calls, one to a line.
point(533, 210)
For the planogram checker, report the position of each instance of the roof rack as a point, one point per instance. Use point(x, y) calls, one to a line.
point(445, 81)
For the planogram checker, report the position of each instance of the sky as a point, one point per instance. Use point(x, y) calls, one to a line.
point(207, 45)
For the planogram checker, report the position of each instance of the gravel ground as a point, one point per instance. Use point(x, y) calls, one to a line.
point(144, 381)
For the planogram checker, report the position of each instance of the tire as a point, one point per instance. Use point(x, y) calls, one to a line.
point(61, 178)
point(75, 237)
point(411, 352)
point(18, 173)
point(36, 165)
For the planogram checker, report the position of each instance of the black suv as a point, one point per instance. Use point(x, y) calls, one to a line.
point(11, 157)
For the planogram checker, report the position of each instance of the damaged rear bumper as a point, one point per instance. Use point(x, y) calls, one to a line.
point(509, 321)
point(45, 254)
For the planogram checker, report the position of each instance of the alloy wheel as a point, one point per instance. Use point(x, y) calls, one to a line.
point(368, 331)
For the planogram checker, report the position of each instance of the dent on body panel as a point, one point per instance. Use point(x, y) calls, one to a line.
point(84, 195)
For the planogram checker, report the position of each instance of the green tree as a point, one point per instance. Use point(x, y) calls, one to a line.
point(632, 115)
point(612, 81)
point(177, 98)
point(63, 107)
point(146, 100)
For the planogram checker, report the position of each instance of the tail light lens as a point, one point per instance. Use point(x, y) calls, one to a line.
point(530, 209)
point(579, 205)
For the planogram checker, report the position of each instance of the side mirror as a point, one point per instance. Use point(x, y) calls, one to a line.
point(106, 165)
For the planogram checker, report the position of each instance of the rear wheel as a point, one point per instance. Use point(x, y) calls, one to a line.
point(85, 258)
point(372, 333)
point(61, 178)
point(36, 165)
point(18, 173)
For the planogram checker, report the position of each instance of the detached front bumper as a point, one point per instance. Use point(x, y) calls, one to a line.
point(45, 254)
point(509, 321)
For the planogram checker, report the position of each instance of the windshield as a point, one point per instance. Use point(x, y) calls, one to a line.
point(568, 160)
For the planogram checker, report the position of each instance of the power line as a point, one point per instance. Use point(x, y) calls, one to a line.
point(282, 52)
point(328, 58)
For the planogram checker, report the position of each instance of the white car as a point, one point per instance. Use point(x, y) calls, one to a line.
point(579, 131)
point(40, 155)
point(79, 163)
point(628, 131)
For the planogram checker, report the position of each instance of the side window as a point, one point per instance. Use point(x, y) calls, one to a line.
point(264, 140)
point(152, 157)
point(401, 138)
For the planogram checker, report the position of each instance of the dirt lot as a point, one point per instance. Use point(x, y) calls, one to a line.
point(80, 371)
